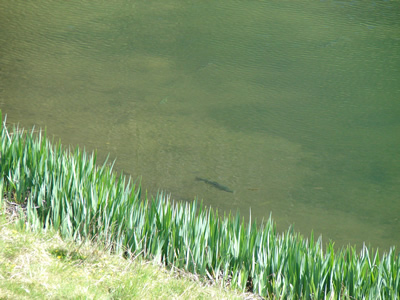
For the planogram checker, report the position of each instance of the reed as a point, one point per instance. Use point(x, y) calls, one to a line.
point(66, 190)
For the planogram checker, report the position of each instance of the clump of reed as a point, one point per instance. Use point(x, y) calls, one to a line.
point(66, 190)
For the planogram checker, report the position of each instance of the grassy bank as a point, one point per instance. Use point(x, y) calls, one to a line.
point(43, 266)
point(67, 192)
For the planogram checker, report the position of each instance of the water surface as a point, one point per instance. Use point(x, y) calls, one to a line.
point(292, 105)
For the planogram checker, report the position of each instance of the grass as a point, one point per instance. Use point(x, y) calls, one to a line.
point(66, 191)
point(43, 266)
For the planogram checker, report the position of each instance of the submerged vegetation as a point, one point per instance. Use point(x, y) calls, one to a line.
point(55, 188)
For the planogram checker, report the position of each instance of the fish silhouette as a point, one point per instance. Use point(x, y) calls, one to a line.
point(215, 184)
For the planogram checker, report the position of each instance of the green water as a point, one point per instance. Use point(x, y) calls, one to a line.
point(293, 105)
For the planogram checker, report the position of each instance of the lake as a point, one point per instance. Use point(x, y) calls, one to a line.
point(291, 106)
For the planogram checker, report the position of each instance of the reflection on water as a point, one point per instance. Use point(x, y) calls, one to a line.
point(293, 106)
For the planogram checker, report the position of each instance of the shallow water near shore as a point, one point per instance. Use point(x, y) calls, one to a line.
point(293, 106)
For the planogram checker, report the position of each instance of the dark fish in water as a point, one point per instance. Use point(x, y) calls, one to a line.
point(215, 184)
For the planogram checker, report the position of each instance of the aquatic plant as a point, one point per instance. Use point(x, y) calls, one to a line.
point(64, 189)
